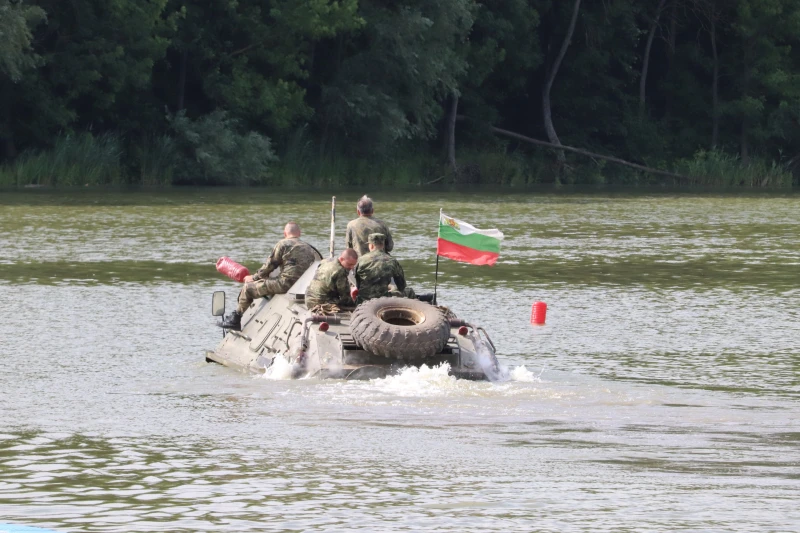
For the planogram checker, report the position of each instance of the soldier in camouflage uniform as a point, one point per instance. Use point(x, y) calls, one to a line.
point(292, 255)
point(375, 270)
point(330, 285)
point(359, 230)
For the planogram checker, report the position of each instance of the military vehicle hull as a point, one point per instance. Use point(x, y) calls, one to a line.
point(323, 346)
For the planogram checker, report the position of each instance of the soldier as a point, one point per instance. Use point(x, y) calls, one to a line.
point(359, 230)
point(330, 285)
point(375, 270)
point(292, 255)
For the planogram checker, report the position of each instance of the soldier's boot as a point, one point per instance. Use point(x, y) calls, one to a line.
point(233, 321)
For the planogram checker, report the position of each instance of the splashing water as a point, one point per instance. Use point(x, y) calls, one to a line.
point(433, 384)
point(503, 373)
point(280, 368)
point(523, 375)
point(494, 370)
point(422, 381)
point(486, 358)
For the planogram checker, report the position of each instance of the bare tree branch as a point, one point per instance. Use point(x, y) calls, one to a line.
point(587, 153)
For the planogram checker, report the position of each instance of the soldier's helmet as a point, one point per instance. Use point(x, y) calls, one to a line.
point(377, 239)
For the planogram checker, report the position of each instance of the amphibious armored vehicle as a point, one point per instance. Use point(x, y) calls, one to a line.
point(376, 339)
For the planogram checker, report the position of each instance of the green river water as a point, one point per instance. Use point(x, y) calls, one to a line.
point(663, 393)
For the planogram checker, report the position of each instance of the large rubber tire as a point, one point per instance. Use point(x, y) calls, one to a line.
point(400, 328)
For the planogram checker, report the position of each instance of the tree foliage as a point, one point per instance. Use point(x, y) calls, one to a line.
point(17, 21)
point(214, 149)
point(391, 76)
point(653, 82)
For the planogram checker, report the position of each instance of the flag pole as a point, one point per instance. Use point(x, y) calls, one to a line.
point(436, 276)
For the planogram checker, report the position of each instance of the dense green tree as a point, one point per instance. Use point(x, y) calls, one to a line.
point(252, 57)
point(392, 76)
point(594, 97)
point(767, 82)
point(502, 53)
point(215, 151)
point(17, 21)
point(97, 69)
point(371, 80)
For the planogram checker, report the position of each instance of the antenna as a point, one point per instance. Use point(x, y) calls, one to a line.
point(333, 222)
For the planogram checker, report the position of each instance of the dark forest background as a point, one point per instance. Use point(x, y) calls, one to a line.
point(348, 92)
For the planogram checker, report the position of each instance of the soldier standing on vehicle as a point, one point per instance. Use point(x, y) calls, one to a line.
point(359, 230)
point(292, 255)
point(375, 270)
point(330, 285)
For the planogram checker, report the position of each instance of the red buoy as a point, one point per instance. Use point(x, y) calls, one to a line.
point(232, 269)
point(538, 313)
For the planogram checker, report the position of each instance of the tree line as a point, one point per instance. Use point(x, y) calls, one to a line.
point(350, 91)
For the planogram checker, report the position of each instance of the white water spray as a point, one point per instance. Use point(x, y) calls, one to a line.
point(494, 370)
point(280, 368)
point(524, 375)
point(422, 381)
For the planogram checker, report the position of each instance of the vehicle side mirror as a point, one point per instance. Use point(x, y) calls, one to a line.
point(218, 303)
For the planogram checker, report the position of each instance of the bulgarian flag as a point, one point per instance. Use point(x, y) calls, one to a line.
point(464, 242)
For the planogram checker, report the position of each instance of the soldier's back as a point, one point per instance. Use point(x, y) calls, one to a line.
point(359, 230)
point(296, 257)
point(325, 280)
point(374, 272)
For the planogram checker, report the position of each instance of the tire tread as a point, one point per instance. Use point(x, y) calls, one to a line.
point(402, 342)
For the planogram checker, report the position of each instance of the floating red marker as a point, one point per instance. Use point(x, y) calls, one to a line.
point(538, 313)
point(232, 269)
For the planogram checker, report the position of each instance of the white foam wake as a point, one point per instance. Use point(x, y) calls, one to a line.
point(413, 381)
point(422, 381)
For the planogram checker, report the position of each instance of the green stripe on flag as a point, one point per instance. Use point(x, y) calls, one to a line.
point(473, 240)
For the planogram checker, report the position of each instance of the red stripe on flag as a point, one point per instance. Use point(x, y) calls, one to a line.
point(457, 252)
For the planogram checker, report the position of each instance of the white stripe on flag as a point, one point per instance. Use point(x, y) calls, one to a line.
point(465, 229)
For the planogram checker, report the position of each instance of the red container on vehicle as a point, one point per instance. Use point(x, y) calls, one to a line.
point(538, 313)
point(232, 269)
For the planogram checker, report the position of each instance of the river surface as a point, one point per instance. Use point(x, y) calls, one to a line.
point(663, 393)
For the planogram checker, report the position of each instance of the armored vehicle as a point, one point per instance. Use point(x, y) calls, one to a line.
point(375, 339)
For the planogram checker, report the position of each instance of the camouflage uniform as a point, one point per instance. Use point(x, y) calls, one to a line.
point(359, 230)
point(293, 256)
point(329, 286)
point(374, 271)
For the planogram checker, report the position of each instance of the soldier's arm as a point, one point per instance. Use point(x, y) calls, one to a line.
point(399, 277)
point(273, 262)
point(389, 241)
point(357, 274)
point(343, 289)
point(348, 237)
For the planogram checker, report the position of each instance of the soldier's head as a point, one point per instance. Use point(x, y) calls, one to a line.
point(348, 258)
point(364, 206)
point(292, 229)
point(377, 241)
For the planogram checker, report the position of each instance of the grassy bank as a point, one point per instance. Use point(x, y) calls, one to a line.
point(224, 158)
